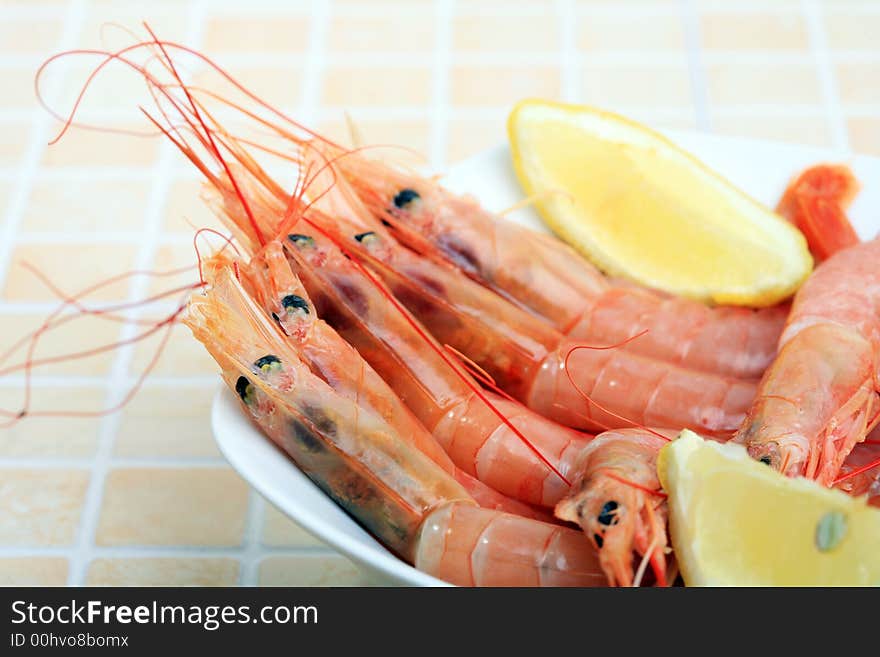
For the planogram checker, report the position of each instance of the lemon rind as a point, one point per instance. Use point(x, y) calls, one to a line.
point(794, 254)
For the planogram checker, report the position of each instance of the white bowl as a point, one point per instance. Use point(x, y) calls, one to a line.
point(761, 168)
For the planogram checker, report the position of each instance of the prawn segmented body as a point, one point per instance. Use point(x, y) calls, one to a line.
point(347, 450)
point(821, 396)
point(618, 471)
point(563, 380)
point(443, 399)
point(269, 279)
point(473, 547)
point(548, 278)
point(568, 381)
point(432, 366)
point(403, 497)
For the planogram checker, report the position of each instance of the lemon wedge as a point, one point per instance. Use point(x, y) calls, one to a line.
point(640, 207)
point(735, 522)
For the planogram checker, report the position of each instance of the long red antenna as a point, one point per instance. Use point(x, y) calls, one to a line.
point(475, 388)
point(51, 322)
point(293, 214)
point(208, 134)
point(849, 475)
point(478, 373)
point(205, 134)
point(590, 400)
point(644, 489)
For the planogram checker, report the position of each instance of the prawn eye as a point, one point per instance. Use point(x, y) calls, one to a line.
point(268, 363)
point(599, 540)
point(245, 390)
point(404, 197)
point(766, 460)
point(301, 240)
point(365, 238)
point(608, 516)
point(292, 303)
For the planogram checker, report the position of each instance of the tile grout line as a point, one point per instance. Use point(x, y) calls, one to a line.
point(102, 459)
point(696, 72)
point(40, 124)
point(441, 72)
point(601, 59)
point(252, 552)
point(567, 21)
point(131, 462)
point(136, 173)
point(827, 80)
point(22, 12)
point(153, 551)
point(75, 381)
point(312, 85)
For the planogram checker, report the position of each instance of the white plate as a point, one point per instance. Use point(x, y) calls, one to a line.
point(761, 168)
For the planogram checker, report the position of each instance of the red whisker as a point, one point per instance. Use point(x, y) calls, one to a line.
point(617, 345)
point(158, 92)
point(109, 309)
point(469, 364)
point(154, 88)
point(266, 149)
point(590, 400)
point(107, 312)
point(857, 471)
point(586, 418)
point(138, 384)
point(100, 313)
point(200, 124)
point(308, 177)
point(301, 142)
point(68, 121)
point(208, 134)
point(784, 466)
point(227, 242)
point(475, 388)
point(110, 56)
point(479, 373)
point(645, 489)
point(86, 353)
point(657, 567)
point(151, 80)
point(781, 398)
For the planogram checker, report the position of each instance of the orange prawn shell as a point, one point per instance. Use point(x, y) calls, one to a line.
point(820, 396)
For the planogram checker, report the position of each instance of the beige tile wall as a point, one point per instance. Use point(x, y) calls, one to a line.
point(143, 496)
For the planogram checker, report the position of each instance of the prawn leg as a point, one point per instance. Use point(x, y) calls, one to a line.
point(820, 396)
point(616, 499)
point(406, 500)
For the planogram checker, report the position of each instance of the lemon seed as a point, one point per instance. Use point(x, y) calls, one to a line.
point(830, 530)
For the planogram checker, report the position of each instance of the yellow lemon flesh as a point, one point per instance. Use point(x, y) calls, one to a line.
point(641, 208)
point(735, 522)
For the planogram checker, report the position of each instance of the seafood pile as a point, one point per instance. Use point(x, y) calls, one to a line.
point(473, 392)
